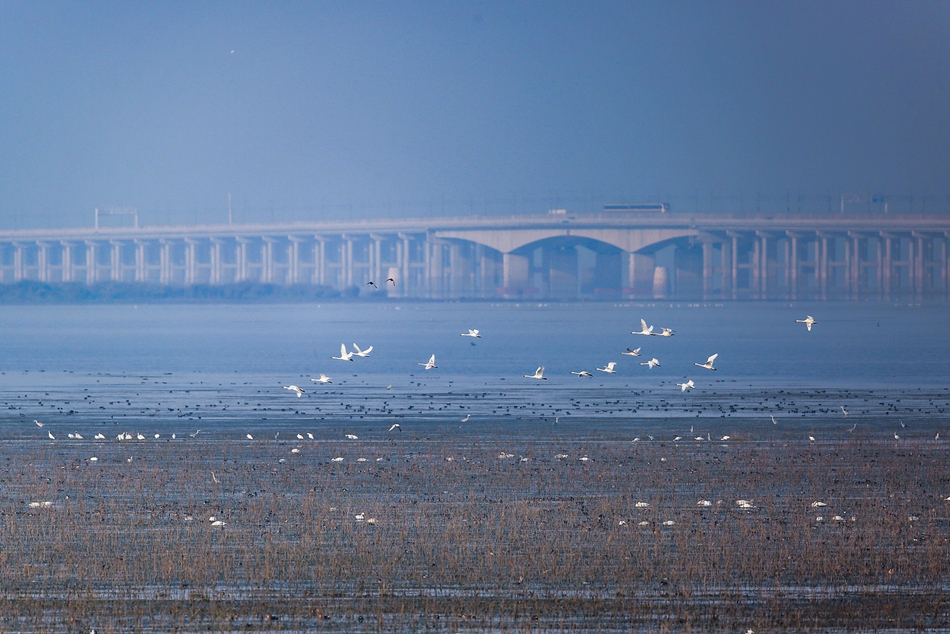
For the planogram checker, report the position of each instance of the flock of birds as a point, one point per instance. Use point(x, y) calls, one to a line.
point(609, 368)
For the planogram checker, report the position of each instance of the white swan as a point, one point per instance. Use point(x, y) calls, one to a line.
point(644, 329)
point(583, 373)
point(709, 362)
point(686, 386)
point(323, 379)
point(428, 365)
point(362, 353)
point(652, 363)
point(665, 332)
point(296, 390)
point(344, 355)
point(538, 374)
point(809, 321)
point(609, 369)
point(472, 333)
point(632, 353)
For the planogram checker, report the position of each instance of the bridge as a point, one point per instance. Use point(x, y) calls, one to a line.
point(638, 255)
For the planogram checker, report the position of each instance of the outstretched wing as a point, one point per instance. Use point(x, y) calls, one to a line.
point(712, 358)
point(342, 349)
point(643, 325)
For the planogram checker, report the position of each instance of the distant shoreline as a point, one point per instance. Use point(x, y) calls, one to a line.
point(31, 292)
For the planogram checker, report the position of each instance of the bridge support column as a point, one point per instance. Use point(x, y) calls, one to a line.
point(946, 264)
point(514, 273)
point(191, 265)
point(215, 275)
point(267, 257)
point(320, 261)
point(823, 266)
point(165, 262)
point(728, 270)
point(348, 262)
point(293, 261)
point(918, 267)
point(641, 270)
point(141, 272)
point(241, 274)
point(42, 262)
point(708, 249)
point(115, 261)
point(793, 267)
point(734, 265)
point(887, 266)
point(67, 261)
point(92, 263)
point(435, 270)
point(404, 256)
point(19, 262)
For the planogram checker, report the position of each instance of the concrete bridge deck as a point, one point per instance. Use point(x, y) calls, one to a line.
point(566, 256)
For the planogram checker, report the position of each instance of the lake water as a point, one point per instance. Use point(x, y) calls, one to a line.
point(167, 362)
point(852, 345)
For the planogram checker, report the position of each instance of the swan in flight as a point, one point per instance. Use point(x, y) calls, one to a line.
point(609, 369)
point(323, 379)
point(652, 363)
point(344, 355)
point(296, 390)
point(428, 365)
point(665, 332)
point(809, 321)
point(471, 333)
point(632, 353)
point(362, 353)
point(686, 386)
point(395, 426)
point(644, 329)
point(709, 362)
point(583, 373)
point(538, 374)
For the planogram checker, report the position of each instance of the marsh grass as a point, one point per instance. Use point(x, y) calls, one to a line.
point(477, 542)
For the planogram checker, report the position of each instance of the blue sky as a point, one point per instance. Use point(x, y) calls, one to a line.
point(312, 110)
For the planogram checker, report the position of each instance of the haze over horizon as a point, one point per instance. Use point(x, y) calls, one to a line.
point(309, 111)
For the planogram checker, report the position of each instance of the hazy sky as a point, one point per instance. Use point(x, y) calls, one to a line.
point(309, 110)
